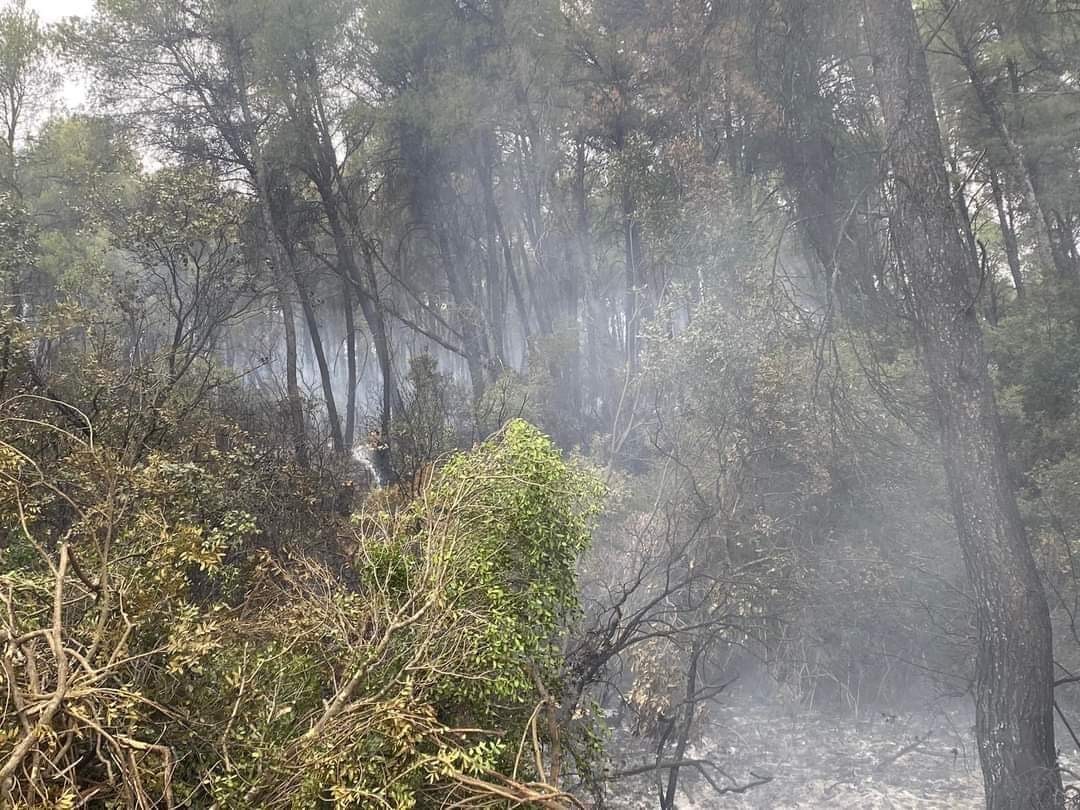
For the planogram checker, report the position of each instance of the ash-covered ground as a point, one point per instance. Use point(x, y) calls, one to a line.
point(924, 759)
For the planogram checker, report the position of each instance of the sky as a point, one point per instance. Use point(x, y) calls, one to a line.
point(52, 10)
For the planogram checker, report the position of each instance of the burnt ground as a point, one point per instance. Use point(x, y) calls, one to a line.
point(924, 759)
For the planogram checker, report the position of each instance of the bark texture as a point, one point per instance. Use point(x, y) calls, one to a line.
point(1014, 677)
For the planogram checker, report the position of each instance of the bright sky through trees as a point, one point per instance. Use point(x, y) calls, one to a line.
point(53, 10)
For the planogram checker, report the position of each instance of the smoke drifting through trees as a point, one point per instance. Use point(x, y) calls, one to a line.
point(796, 279)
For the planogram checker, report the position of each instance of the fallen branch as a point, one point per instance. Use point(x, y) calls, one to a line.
point(699, 765)
point(907, 749)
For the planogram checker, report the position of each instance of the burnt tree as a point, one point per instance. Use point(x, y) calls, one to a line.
point(1014, 677)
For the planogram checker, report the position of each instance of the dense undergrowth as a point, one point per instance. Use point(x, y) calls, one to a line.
point(164, 648)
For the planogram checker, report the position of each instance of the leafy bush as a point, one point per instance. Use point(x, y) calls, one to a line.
point(157, 654)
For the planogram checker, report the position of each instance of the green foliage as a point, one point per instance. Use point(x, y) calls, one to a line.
point(26, 77)
point(270, 680)
point(526, 526)
point(1036, 351)
point(17, 236)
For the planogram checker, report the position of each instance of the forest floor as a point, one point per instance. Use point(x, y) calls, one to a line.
point(923, 760)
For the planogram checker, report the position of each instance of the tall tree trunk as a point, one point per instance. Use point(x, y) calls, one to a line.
point(531, 216)
point(295, 403)
point(544, 321)
point(325, 377)
point(520, 303)
point(1008, 234)
point(1062, 242)
point(380, 336)
point(309, 113)
point(632, 258)
point(283, 272)
point(365, 285)
point(280, 218)
point(993, 316)
point(1065, 241)
point(963, 219)
point(350, 363)
point(471, 325)
point(495, 224)
point(1014, 675)
point(583, 233)
point(495, 288)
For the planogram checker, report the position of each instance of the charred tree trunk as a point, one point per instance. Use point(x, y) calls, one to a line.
point(520, 303)
point(1014, 676)
point(325, 377)
point(279, 218)
point(689, 709)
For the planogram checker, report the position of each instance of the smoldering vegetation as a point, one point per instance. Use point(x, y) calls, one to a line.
point(489, 403)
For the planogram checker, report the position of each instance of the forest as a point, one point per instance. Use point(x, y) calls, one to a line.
point(502, 403)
